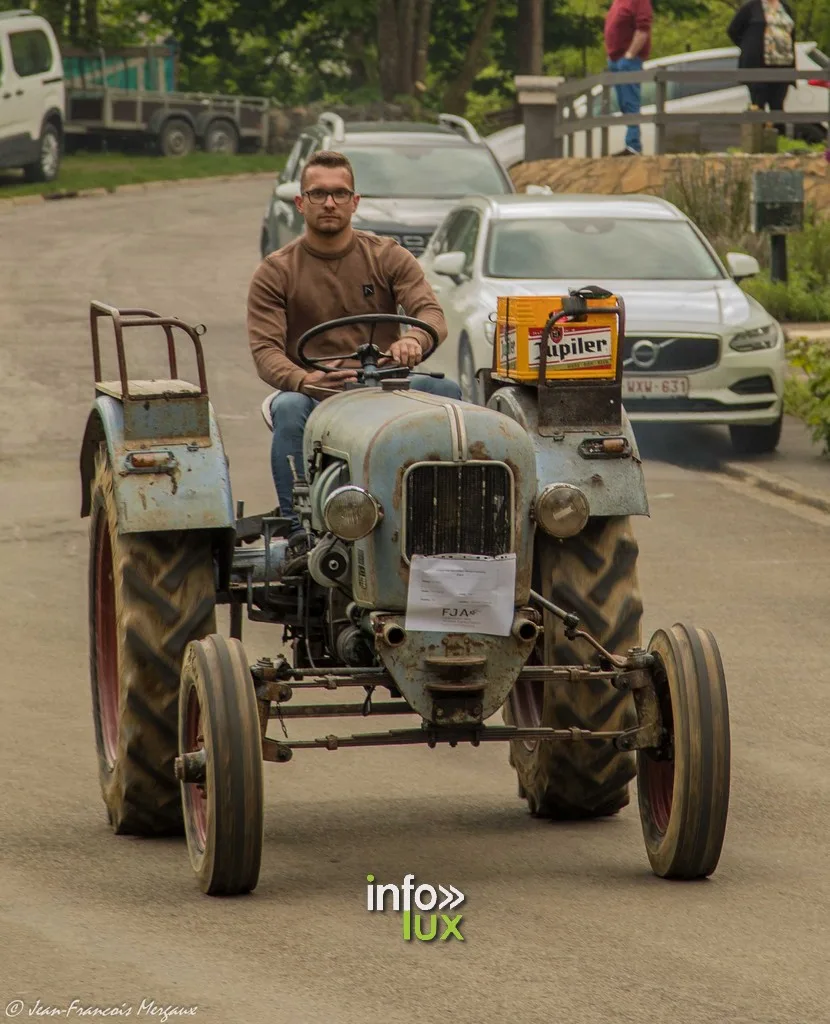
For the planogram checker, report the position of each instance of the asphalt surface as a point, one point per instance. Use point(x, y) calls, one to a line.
point(561, 923)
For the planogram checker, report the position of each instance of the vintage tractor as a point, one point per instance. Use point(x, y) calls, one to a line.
point(463, 559)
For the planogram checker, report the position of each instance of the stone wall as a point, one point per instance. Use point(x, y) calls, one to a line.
point(651, 174)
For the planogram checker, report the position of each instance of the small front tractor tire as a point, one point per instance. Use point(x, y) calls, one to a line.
point(595, 576)
point(149, 596)
point(219, 728)
point(684, 789)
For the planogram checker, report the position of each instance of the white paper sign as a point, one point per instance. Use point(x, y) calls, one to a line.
point(461, 594)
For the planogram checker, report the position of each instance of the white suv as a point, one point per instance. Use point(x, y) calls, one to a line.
point(697, 348)
point(32, 98)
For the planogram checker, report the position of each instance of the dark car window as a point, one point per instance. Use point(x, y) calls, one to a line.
point(292, 161)
point(31, 52)
point(680, 90)
point(438, 240)
point(309, 144)
point(467, 238)
point(424, 170)
point(458, 231)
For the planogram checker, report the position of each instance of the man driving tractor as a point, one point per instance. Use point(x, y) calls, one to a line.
point(331, 271)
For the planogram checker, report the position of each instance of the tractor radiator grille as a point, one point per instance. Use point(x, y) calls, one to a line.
point(459, 509)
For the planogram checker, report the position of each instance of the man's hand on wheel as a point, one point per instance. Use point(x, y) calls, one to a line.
point(406, 352)
point(322, 379)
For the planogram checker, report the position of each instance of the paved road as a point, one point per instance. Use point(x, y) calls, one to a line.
point(562, 923)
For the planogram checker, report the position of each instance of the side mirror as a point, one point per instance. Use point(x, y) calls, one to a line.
point(449, 264)
point(741, 265)
point(539, 190)
point(287, 191)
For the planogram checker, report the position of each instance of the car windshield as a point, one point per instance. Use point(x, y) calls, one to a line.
point(598, 247)
point(424, 171)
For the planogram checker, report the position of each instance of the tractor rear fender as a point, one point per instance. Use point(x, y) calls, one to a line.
point(613, 485)
point(161, 485)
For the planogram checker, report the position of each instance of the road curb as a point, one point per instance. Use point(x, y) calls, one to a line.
point(775, 485)
point(7, 202)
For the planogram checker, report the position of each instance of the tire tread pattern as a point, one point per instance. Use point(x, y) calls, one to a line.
point(593, 575)
point(164, 597)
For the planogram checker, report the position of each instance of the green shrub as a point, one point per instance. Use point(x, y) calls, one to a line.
point(796, 300)
point(786, 145)
point(809, 398)
point(717, 197)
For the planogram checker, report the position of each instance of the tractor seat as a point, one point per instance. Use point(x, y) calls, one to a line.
point(265, 409)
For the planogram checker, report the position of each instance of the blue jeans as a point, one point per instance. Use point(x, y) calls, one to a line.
point(289, 413)
point(628, 99)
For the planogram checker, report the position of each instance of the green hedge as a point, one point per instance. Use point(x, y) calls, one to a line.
point(807, 392)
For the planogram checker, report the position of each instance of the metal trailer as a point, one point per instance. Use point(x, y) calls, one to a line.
point(129, 93)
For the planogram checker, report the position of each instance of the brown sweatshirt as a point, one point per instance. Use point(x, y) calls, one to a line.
point(297, 288)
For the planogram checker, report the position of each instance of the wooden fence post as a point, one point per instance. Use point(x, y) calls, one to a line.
point(660, 105)
point(540, 114)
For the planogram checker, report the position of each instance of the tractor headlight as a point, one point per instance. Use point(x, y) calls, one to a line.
point(351, 513)
point(562, 510)
point(759, 337)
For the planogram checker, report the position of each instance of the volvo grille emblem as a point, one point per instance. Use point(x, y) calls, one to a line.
point(644, 353)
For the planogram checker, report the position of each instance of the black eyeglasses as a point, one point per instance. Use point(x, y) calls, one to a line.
point(319, 195)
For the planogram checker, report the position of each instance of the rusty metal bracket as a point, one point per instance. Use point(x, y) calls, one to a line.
point(341, 710)
point(432, 735)
point(637, 658)
point(274, 692)
point(274, 751)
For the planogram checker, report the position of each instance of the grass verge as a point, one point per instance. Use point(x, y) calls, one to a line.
point(109, 170)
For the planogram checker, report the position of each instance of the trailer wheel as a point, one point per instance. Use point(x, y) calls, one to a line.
point(221, 137)
point(683, 789)
point(177, 137)
point(150, 594)
point(221, 767)
point(595, 576)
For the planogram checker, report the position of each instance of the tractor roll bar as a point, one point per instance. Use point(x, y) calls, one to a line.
point(137, 317)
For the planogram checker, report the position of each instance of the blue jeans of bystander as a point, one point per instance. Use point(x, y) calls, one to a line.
point(628, 99)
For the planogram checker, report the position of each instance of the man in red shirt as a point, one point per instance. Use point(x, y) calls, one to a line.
point(627, 44)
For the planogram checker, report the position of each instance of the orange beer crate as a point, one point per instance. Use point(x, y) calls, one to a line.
point(579, 348)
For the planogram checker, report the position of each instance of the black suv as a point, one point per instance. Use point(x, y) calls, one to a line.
point(408, 174)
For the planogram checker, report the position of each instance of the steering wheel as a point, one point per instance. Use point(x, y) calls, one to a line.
point(367, 354)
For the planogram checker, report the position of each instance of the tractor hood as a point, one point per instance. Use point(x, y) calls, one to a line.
point(381, 435)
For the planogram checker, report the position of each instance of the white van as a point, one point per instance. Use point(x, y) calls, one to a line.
point(32, 98)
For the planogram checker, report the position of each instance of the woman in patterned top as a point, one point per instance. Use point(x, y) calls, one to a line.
point(764, 30)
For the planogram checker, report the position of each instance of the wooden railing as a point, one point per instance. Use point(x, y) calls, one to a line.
point(555, 111)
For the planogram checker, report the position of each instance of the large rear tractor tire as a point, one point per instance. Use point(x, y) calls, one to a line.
point(595, 576)
point(149, 596)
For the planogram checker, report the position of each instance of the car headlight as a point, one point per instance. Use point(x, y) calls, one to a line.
point(759, 337)
point(562, 510)
point(489, 331)
point(351, 513)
